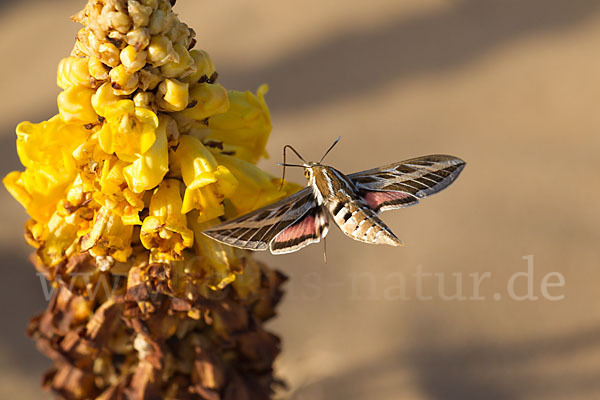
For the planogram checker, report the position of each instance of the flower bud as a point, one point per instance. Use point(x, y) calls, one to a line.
point(109, 54)
point(207, 100)
point(117, 38)
point(181, 68)
point(144, 100)
point(180, 33)
point(97, 69)
point(149, 78)
point(160, 51)
point(139, 38)
point(119, 21)
point(133, 60)
point(172, 95)
point(73, 71)
point(140, 14)
point(87, 42)
point(104, 97)
point(203, 64)
point(161, 22)
point(122, 82)
point(75, 105)
point(153, 4)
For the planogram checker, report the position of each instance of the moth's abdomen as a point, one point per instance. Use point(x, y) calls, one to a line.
point(361, 223)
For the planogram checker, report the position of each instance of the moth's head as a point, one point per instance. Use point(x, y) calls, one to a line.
point(308, 169)
point(307, 165)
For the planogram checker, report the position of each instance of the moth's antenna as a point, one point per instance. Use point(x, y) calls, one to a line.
point(332, 146)
point(287, 146)
point(291, 165)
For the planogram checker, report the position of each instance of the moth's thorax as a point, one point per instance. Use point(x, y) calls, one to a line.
point(329, 184)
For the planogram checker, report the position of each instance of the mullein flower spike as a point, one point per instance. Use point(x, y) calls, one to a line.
point(146, 151)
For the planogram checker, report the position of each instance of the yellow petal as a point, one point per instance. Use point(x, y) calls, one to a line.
point(15, 187)
point(196, 162)
point(104, 97)
point(207, 99)
point(203, 64)
point(176, 69)
point(172, 95)
point(109, 236)
point(218, 261)
point(256, 188)
point(61, 240)
point(73, 71)
point(149, 169)
point(128, 131)
point(226, 181)
point(246, 126)
point(164, 232)
point(75, 105)
point(123, 82)
point(46, 150)
point(207, 200)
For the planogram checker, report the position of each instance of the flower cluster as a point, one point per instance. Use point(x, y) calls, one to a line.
point(144, 136)
point(146, 152)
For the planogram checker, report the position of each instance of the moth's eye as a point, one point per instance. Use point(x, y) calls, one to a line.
point(306, 174)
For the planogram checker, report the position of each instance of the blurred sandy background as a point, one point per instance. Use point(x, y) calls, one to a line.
point(511, 86)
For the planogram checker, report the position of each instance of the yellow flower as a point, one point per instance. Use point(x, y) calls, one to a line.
point(245, 127)
point(13, 183)
point(256, 188)
point(103, 98)
point(149, 169)
point(206, 100)
point(172, 95)
point(109, 236)
point(97, 69)
point(217, 261)
point(181, 67)
point(61, 239)
point(49, 142)
point(73, 71)
point(123, 83)
point(203, 66)
point(197, 163)
point(208, 200)
point(133, 60)
point(131, 208)
point(128, 131)
point(165, 232)
point(35, 233)
point(111, 175)
point(89, 159)
point(75, 105)
point(207, 182)
point(45, 149)
point(121, 201)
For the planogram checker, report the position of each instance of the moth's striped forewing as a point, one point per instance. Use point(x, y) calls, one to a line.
point(403, 184)
point(258, 230)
